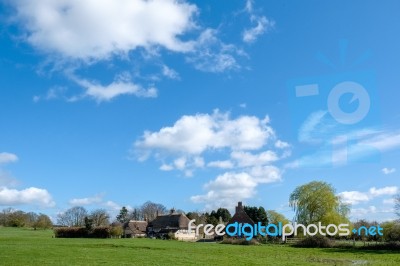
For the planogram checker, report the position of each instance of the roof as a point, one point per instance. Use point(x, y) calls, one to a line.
point(136, 227)
point(240, 216)
point(170, 221)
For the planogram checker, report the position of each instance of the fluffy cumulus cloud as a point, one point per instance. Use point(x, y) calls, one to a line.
point(246, 148)
point(356, 197)
point(29, 196)
point(99, 29)
point(194, 134)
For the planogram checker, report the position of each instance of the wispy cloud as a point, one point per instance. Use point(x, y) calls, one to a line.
point(6, 157)
point(261, 24)
point(388, 171)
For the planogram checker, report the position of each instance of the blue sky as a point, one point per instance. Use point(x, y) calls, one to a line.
point(198, 104)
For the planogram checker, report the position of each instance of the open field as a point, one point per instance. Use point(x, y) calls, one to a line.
point(29, 247)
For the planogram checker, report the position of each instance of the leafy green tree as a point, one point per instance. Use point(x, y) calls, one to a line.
point(275, 217)
point(391, 231)
point(43, 222)
point(17, 219)
point(316, 202)
point(215, 216)
point(257, 214)
point(211, 218)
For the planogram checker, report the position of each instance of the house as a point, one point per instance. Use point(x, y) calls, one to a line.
point(241, 216)
point(135, 229)
point(172, 224)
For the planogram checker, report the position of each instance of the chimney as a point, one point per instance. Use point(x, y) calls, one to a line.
point(239, 208)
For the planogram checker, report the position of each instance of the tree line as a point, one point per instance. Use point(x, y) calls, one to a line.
point(15, 218)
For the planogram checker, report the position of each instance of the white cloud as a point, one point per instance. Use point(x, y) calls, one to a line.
point(383, 191)
point(213, 55)
point(245, 159)
point(99, 29)
point(53, 93)
point(29, 196)
point(121, 86)
point(6, 158)
point(388, 171)
point(265, 174)
point(226, 164)
point(338, 150)
point(231, 187)
point(218, 141)
point(86, 201)
point(261, 24)
point(180, 163)
point(354, 197)
point(281, 144)
point(373, 213)
point(226, 190)
point(390, 201)
point(169, 72)
point(166, 167)
point(195, 134)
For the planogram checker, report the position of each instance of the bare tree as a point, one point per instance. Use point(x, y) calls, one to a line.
point(74, 216)
point(100, 217)
point(397, 204)
point(150, 210)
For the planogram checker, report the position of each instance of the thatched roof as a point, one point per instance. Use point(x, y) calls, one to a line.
point(136, 227)
point(241, 216)
point(170, 221)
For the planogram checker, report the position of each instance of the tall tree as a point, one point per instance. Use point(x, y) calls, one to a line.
point(74, 216)
point(257, 214)
point(316, 202)
point(123, 215)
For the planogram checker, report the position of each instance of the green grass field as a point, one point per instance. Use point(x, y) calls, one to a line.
point(29, 247)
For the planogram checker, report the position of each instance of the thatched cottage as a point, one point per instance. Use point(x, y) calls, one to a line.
point(172, 224)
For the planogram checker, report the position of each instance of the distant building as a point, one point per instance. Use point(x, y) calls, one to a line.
point(241, 216)
point(173, 223)
point(135, 229)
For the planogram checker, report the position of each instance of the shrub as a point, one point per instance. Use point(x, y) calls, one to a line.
point(314, 242)
point(80, 232)
point(70, 232)
point(239, 241)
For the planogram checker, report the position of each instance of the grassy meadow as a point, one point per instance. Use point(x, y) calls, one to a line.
point(29, 247)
